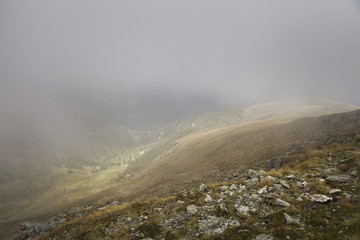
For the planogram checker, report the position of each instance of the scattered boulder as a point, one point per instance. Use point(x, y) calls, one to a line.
point(284, 184)
point(202, 187)
point(301, 184)
point(282, 203)
point(339, 178)
point(320, 198)
point(208, 198)
point(290, 177)
point(252, 174)
point(223, 208)
point(229, 193)
point(304, 196)
point(233, 187)
point(334, 191)
point(223, 188)
point(30, 230)
point(278, 187)
point(191, 209)
point(273, 179)
point(251, 182)
point(263, 237)
point(255, 198)
point(291, 220)
point(241, 188)
point(262, 191)
point(242, 209)
point(354, 173)
point(216, 225)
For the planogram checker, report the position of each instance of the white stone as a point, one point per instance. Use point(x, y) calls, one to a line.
point(208, 198)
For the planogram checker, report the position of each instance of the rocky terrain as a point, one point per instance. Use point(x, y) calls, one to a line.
point(205, 148)
point(316, 196)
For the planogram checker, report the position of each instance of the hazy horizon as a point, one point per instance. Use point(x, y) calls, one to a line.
point(172, 59)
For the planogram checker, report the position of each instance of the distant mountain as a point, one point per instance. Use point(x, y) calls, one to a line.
point(284, 110)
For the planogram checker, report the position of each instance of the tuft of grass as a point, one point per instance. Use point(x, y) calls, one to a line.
point(265, 182)
point(150, 229)
point(192, 224)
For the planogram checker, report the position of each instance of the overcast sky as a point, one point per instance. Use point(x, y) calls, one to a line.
point(232, 52)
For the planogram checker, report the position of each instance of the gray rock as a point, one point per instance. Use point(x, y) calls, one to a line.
point(251, 182)
point(208, 198)
point(241, 188)
point(304, 196)
point(233, 187)
point(30, 230)
point(223, 208)
point(278, 187)
point(284, 184)
point(255, 198)
point(242, 209)
point(263, 237)
point(301, 184)
point(262, 191)
point(290, 177)
point(208, 208)
point(335, 190)
point(229, 193)
point(191, 209)
point(215, 225)
point(273, 179)
point(252, 174)
point(282, 203)
point(354, 173)
point(320, 198)
point(223, 188)
point(347, 195)
point(291, 220)
point(339, 178)
point(202, 187)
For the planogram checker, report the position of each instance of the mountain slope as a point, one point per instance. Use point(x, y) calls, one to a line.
point(204, 147)
point(314, 197)
point(286, 110)
point(226, 151)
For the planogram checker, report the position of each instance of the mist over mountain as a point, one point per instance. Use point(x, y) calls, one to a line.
point(68, 67)
point(98, 97)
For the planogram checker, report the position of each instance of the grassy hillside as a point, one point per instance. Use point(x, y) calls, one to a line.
point(178, 156)
point(301, 200)
point(204, 155)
